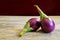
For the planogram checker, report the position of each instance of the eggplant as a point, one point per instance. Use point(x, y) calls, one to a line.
point(31, 25)
point(47, 24)
point(34, 23)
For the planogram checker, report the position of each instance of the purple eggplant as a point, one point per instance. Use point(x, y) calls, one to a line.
point(32, 25)
point(47, 24)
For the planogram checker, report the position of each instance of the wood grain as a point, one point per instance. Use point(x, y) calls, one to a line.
point(11, 25)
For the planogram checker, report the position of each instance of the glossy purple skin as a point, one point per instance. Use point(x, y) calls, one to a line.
point(48, 25)
point(34, 23)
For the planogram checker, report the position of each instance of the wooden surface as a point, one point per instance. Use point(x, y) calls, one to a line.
point(11, 25)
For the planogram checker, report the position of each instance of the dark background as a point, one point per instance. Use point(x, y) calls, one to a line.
point(25, 7)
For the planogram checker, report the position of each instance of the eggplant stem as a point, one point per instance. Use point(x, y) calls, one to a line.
point(42, 14)
point(26, 28)
point(22, 32)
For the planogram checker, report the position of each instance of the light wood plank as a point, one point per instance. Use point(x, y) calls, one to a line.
point(11, 25)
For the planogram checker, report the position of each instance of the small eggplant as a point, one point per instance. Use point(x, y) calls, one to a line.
point(32, 25)
point(47, 24)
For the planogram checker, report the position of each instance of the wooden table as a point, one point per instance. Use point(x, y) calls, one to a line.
point(11, 25)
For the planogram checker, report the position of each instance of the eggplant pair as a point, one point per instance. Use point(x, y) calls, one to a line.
point(46, 23)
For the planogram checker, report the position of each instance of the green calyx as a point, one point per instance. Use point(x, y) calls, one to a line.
point(26, 28)
point(42, 14)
